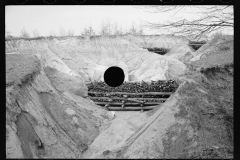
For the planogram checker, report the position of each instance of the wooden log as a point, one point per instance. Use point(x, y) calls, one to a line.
point(195, 44)
point(141, 107)
point(117, 98)
point(147, 103)
point(130, 101)
point(127, 93)
point(134, 100)
point(153, 99)
point(104, 98)
point(131, 108)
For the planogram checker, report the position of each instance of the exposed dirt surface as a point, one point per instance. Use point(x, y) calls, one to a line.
point(41, 121)
point(20, 68)
point(195, 122)
point(114, 133)
point(48, 113)
point(89, 57)
point(219, 45)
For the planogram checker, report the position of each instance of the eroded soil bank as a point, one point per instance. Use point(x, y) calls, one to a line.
point(41, 120)
point(195, 122)
point(48, 113)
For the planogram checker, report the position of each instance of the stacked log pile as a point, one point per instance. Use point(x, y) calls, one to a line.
point(131, 96)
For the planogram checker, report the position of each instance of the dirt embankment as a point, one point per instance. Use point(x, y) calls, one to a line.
point(89, 57)
point(41, 120)
point(47, 116)
point(195, 122)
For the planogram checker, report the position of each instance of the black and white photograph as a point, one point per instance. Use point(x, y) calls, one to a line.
point(119, 81)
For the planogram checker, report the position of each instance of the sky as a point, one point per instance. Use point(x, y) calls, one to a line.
point(51, 18)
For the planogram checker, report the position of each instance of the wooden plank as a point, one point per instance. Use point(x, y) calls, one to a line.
point(126, 93)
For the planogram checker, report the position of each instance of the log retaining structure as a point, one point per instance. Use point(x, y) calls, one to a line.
point(128, 103)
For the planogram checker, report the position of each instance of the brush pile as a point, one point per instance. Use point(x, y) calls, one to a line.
point(129, 87)
point(136, 87)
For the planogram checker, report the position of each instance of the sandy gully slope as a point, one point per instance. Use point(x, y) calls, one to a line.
point(41, 120)
point(114, 133)
point(90, 57)
point(48, 114)
point(195, 122)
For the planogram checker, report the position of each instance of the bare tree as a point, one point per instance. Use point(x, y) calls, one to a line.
point(120, 31)
point(7, 33)
point(35, 33)
point(84, 32)
point(70, 33)
point(103, 30)
point(24, 33)
point(88, 31)
point(140, 31)
point(117, 29)
point(52, 34)
point(133, 30)
point(207, 19)
point(107, 28)
point(91, 31)
point(62, 32)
